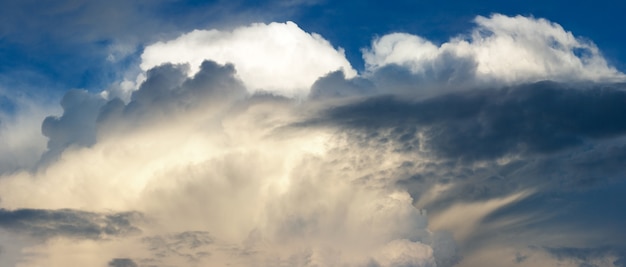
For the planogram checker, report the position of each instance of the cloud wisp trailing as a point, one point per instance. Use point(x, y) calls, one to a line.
point(263, 146)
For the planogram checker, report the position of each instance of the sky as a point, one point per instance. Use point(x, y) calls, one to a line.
point(312, 133)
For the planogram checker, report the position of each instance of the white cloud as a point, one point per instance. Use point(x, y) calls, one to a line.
point(464, 218)
point(281, 197)
point(504, 50)
point(278, 57)
point(190, 157)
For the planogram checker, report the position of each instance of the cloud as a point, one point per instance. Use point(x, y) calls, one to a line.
point(191, 245)
point(500, 50)
point(45, 224)
point(561, 141)
point(335, 85)
point(77, 125)
point(221, 176)
point(488, 124)
point(464, 218)
point(122, 263)
point(276, 57)
point(230, 169)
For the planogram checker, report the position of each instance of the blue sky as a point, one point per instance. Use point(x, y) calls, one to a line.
point(65, 49)
point(312, 133)
point(352, 25)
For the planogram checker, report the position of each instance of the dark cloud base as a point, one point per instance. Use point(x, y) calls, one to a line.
point(68, 223)
point(529, 119)
point(122, 262)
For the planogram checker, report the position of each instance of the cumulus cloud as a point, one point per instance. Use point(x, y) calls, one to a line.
point(278, 57)
point(215, 169)
point(500, 50)
point(77, 124)
point(213, 162)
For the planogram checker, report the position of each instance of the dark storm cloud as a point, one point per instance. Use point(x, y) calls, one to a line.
point(69, 223)
point(486, 124)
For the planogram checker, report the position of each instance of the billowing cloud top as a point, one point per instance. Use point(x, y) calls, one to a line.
point(502, 50)
point(217, 159)
point(277, 57)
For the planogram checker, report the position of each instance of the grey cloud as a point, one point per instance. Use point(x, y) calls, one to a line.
point(77, 125)
point(485, 124)
point(159, 85)
point(445, 249)
point(122, 262)
point(570, 172)
point(519, 257)
point(445, 73)
point(166, 92)
point(213, 82)
point(45, 224)
point(335, 85)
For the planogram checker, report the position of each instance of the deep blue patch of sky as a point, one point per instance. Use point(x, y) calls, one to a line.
point(61, 64)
